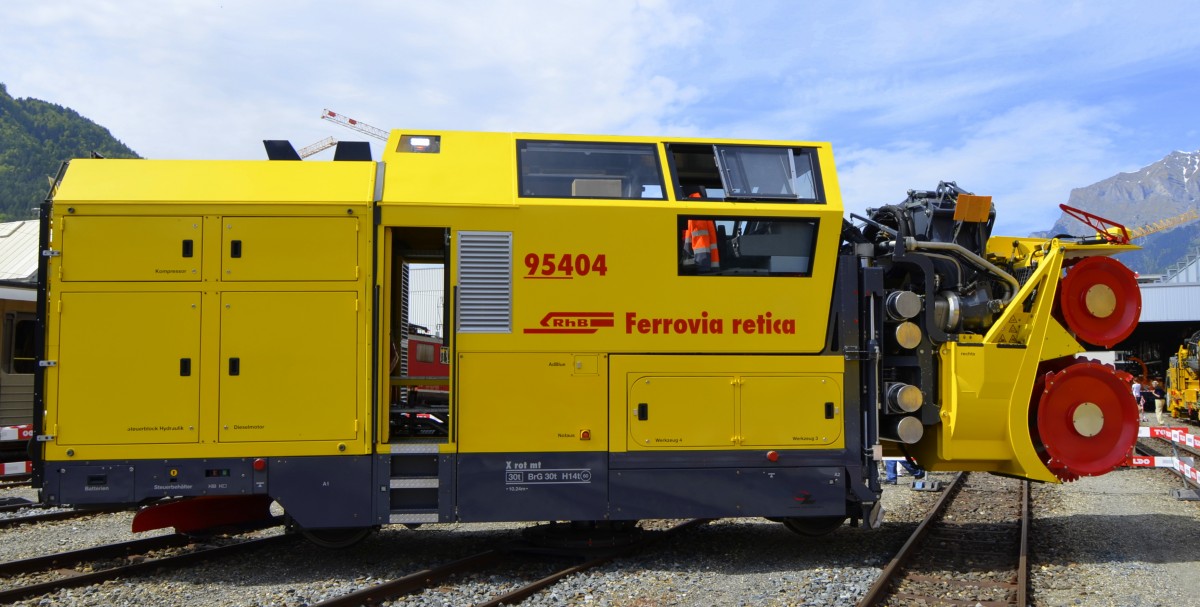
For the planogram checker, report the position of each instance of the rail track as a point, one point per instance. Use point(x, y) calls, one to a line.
point(970, 550)
point(37, 576)
point(16, 480)
point(53, 514)
point(580, 559)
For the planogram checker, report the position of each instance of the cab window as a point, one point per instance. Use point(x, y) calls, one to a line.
point(744, 172)
point(746, 246)
point(570, 169)
point(19, 353)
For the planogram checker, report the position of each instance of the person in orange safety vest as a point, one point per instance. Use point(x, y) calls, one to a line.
point(701, 239)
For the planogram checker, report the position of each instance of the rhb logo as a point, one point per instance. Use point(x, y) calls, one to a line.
point(573, 322)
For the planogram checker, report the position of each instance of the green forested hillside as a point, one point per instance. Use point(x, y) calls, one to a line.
point(35, 137)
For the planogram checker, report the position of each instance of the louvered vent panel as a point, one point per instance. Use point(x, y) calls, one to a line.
point(485, 282)
point(402, 369)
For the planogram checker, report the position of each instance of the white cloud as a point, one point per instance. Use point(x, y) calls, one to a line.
point(1027, 159)
point(1021, 99)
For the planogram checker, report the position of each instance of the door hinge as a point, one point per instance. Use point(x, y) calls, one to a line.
point(45, 438)
point(47, 363)
point(51, 253)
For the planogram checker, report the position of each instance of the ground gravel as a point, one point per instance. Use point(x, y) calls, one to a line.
point(1120, 540)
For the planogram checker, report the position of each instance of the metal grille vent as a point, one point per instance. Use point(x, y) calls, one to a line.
point(485, 282)
point(402, 341)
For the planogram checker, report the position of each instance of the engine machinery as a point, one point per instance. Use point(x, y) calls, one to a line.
point(223, 332)
point(1183, 380)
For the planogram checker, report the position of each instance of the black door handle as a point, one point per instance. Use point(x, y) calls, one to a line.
point(235, 366)
point(185, 367)
point(187, 248)
point(643, 411)
point(829, 410)
point(235, 248)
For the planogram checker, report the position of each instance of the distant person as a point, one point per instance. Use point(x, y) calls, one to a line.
point(890, 472)
point(1160, 401)
point(1137, 398)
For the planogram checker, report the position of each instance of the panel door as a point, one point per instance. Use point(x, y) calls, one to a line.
point(130, 248)
point(791, 411)
point(289, 248)
point(289, 366)
point(681, 412)
point(128, 368)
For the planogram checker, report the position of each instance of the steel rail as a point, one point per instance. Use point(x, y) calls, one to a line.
point(1015, 584)
point(425, 578)
point(411, 582)
point(74, 557)
point(87, 579)
point(54, 516)
point(524, 592)
point(878, 590)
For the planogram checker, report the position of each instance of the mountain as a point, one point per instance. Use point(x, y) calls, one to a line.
point(1165, 189)
point(35, 137)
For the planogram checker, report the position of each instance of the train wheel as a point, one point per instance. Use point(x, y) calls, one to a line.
point(1100, 301)
point(814, 526)
point(1086, 420)
point(336, 538)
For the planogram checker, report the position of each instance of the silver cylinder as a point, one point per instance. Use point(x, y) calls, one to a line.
point(947, 311)
point(903, 305)
point(904, 398)
point(907, 429)
point(908, 335)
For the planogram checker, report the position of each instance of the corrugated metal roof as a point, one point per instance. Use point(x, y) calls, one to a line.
point(425, 297)
point(19, 250)
point(1186, 271)
point(1170, 302)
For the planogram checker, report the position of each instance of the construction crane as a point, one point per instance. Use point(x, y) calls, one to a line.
point(1111, 231)
point(351, 123)
point(319, 146)
point(1163, 224)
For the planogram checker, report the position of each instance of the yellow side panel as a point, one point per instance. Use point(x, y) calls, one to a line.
point(725, 402)
point(289, 365)
point(130, 248)
point(121, 379)
point(530, 402)
point(791, 410)
point(289, 248)
point(688, 412)
point(471, 168)
point(204, 181)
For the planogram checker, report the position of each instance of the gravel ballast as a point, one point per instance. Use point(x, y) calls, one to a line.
point(1121, 539)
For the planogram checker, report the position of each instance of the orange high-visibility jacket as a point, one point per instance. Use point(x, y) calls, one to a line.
point(702, 233)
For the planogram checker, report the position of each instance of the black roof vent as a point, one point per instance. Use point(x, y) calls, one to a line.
point(280, 149)
point(352, 150)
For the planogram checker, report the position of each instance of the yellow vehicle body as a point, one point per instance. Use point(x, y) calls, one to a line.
point(1183, 382)
point(151, 303)
point(637, 327)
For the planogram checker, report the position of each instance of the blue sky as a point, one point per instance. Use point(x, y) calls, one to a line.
point(1020, 100)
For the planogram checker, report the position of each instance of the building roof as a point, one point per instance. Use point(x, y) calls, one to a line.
point(1170, 302)
point(1186, 271)
point(19, 251)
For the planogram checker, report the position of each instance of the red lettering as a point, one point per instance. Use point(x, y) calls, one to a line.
point(679, 326)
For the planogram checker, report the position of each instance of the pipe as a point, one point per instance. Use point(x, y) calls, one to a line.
point(912, 243)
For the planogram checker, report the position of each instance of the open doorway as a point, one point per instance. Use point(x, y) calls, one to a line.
point(418, 327)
